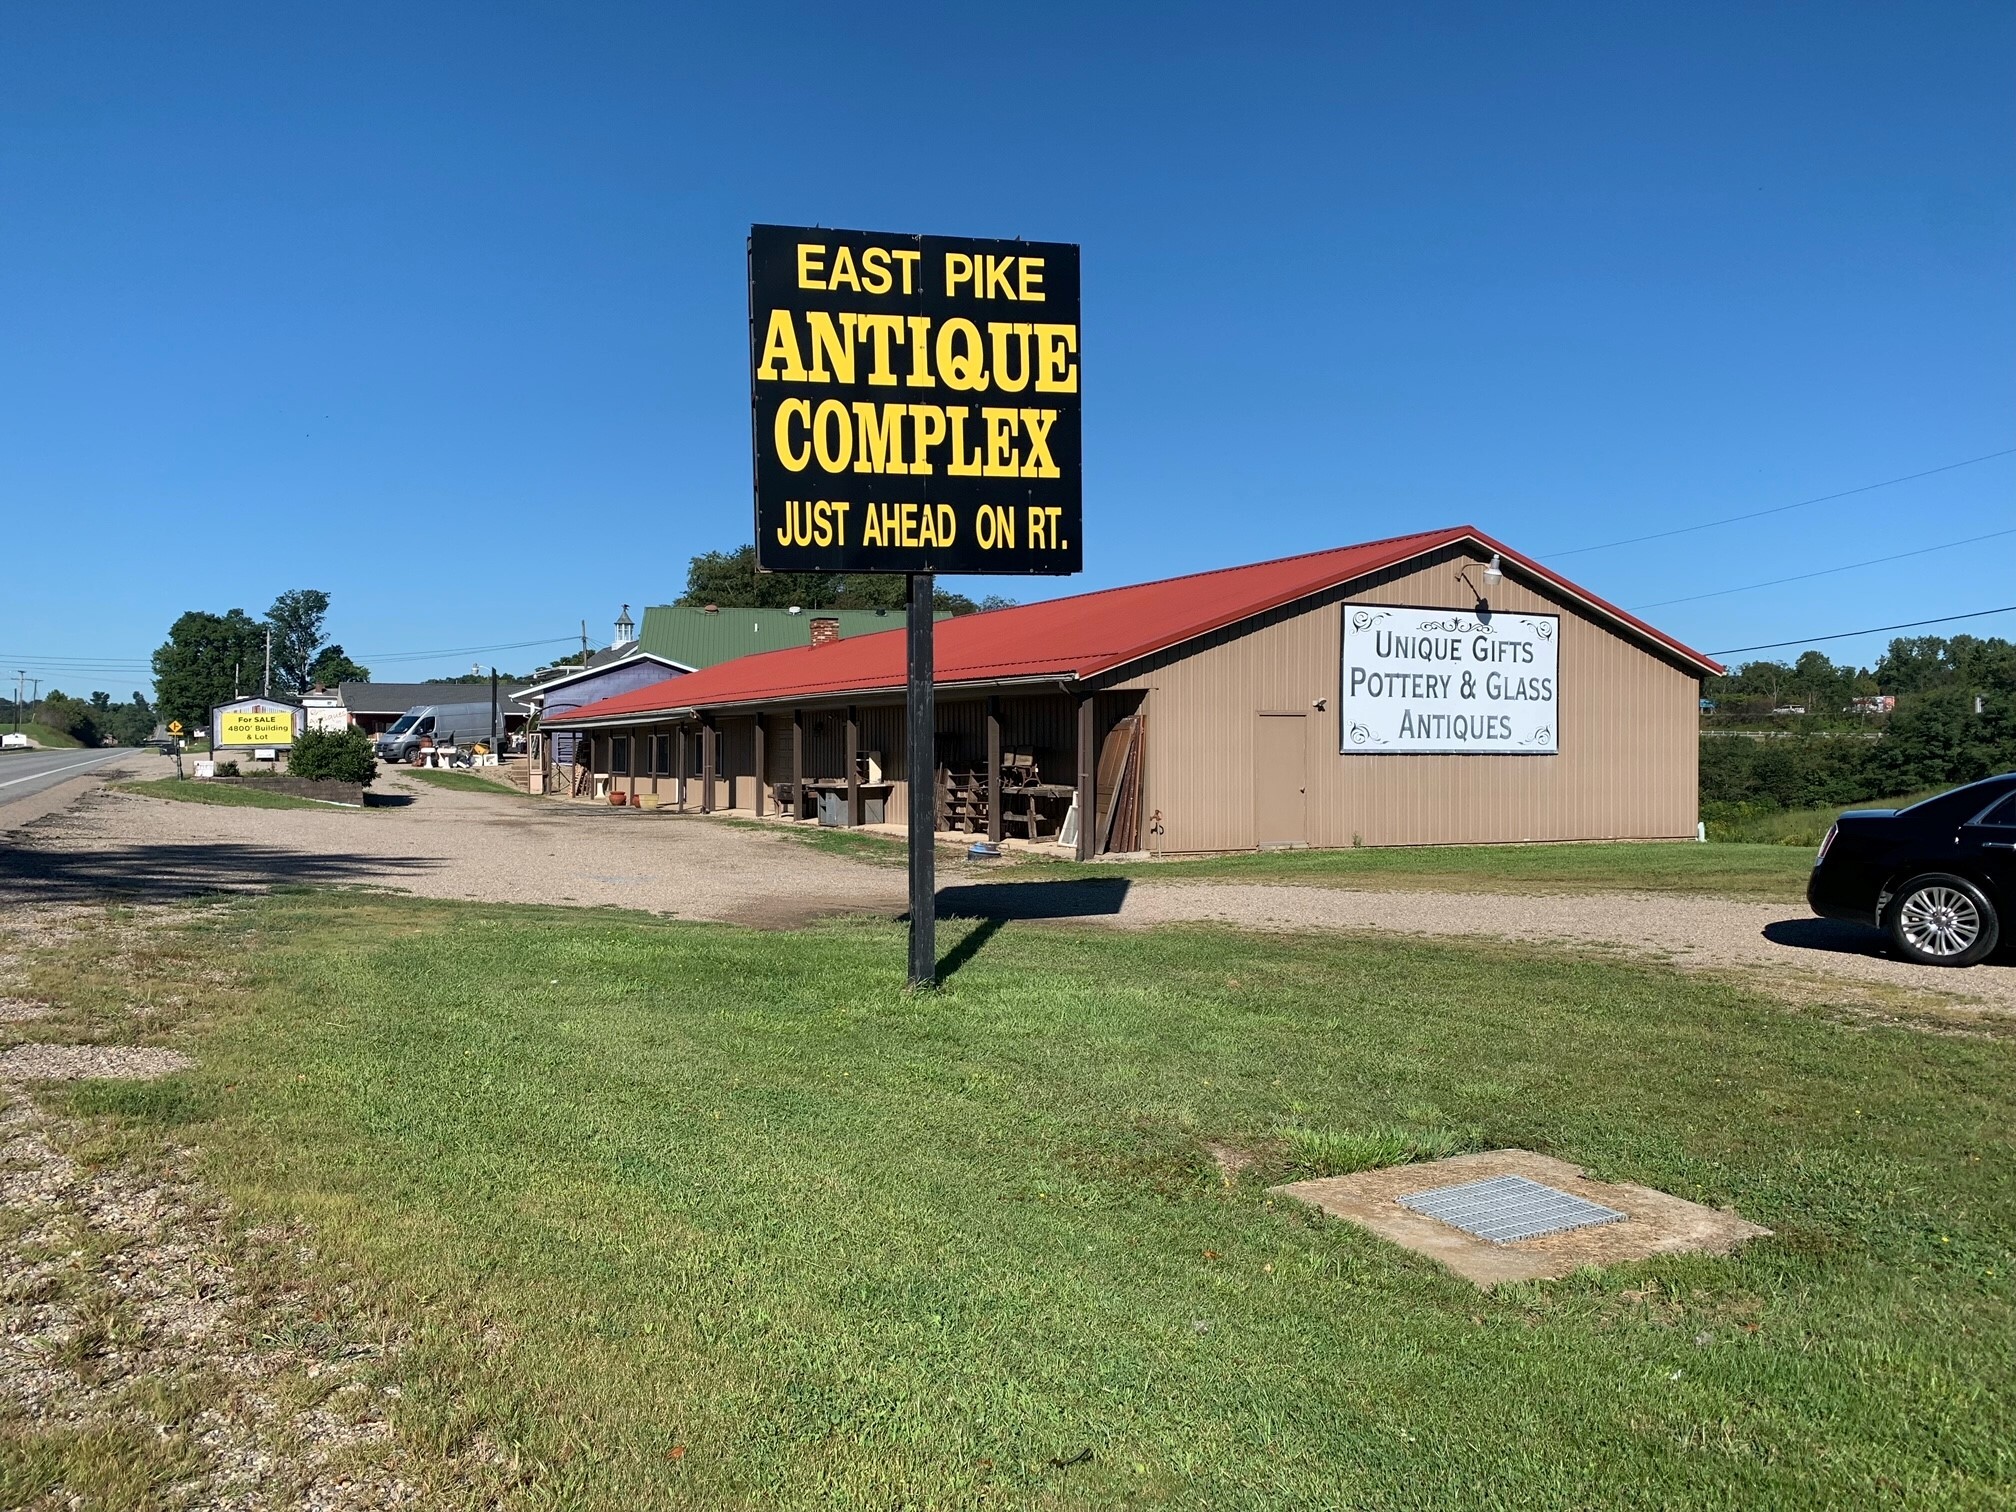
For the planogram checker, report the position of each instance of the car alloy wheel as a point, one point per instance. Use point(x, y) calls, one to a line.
point(1940, 921)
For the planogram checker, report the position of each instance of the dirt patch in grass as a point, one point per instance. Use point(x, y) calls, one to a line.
point(135, 1371)
point(156, 1352)
point(32, 1062)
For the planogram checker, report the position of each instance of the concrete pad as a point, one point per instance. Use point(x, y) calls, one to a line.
point(1655, 1223)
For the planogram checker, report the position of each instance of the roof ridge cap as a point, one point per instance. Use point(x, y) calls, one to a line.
point(1186, 577)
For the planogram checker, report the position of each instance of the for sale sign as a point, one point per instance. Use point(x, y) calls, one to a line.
point(1442, 681)
point(915, 403)
point(255, 722)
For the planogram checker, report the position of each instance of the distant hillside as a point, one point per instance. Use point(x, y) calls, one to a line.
point(42, 735)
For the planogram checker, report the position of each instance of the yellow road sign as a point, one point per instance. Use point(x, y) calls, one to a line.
point(174, 727)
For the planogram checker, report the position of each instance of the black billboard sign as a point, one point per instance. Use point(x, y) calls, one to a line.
point(915, 403)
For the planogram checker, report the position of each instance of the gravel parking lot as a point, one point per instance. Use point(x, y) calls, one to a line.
point(440, 843)
point(510, 849)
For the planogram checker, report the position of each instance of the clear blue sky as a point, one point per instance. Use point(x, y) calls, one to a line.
point(441, 307)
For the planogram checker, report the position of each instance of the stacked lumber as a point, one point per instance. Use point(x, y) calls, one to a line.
point(1121, 756)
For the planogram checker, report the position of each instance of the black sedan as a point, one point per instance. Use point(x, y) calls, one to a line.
point(1939, 876)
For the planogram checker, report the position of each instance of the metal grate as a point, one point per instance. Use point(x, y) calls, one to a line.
point(1504, 1208)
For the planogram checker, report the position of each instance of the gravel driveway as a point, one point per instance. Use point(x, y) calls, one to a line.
point(509, 849)
point(440, 843)
point(1774, 945)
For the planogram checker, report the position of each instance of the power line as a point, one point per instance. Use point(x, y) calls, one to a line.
point(1660, 535)
point(378, 656)
point(107, 667)
point(70, 661)
point(1807, 640)
point(1826, 571)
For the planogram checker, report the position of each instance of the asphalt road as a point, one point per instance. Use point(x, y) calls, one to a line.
point(25, 773)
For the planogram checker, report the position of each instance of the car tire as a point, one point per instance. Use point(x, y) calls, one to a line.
point(1938, 919)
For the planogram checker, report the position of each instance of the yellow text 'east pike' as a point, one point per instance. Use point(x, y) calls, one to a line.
point(913, 436)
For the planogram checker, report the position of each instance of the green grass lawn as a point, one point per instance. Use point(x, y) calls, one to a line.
point(1763, 871)
point(227, 795)
point(1804, 828)
point(878, 850)
point(1744, 871)
point(678, 1215)
point(461, 782)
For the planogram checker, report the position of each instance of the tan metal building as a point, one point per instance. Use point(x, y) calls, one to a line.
point(1430, 689)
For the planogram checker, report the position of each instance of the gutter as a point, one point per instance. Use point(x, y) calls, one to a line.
point(677, 713)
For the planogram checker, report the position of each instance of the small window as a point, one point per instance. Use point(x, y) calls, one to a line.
point(661, 755)
point(2004, 813)
point(619, 756)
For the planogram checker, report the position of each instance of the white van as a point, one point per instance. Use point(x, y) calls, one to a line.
point(442, 724)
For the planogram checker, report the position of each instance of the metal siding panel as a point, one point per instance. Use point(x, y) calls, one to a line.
point(1626, 768)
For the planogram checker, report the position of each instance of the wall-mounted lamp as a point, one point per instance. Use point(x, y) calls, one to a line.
point(1494, 574)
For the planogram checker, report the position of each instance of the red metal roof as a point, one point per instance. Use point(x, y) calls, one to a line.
point(1076, 637)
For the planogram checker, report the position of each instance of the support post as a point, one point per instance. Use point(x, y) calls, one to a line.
point(762, 764)
point(920, 761)
point(1088, 780)
point(679, 783)
point(994, 768)
point(655, 762)
point(710, 762)
point(853, 767)
point(797, 763)
point(630, 761)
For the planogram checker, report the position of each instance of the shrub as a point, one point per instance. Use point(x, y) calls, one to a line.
point(225, 769)
point(339, 755)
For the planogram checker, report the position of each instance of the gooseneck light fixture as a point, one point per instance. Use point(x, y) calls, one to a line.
point(1494, 574)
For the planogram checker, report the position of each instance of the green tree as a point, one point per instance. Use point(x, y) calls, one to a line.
point(132, 722)
point(208, 659)
point(74, 717)
point(730, 579)
point(1915, 664)
point(296, 620)
point(331, 667)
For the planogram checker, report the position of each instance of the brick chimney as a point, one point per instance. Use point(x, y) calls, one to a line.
point(825, 631)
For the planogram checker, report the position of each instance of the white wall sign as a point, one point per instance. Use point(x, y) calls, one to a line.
point(1444, 680)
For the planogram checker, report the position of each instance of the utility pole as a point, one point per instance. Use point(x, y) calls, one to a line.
point(266, 680)
point(20, 682)
point(584, 643)
point(493, 717)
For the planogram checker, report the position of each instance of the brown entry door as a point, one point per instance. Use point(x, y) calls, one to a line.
point(1281, 780)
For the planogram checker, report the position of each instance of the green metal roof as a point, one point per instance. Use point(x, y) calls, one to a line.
point(707, 637)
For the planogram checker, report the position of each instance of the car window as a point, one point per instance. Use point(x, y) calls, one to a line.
point(2003, 813)
point(1956, 805)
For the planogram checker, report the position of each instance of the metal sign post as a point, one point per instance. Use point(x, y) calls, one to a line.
point(921, 743)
